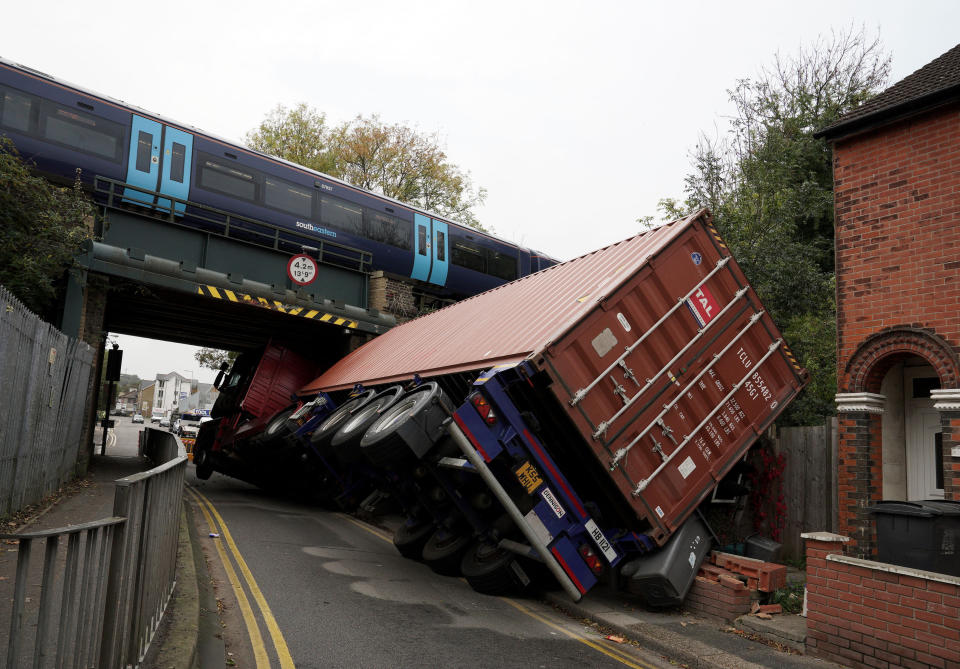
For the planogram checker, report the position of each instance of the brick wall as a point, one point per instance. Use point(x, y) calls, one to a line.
point(950, 425)
point(869, 614)
point(859, 480)
point(392, 296)
point(721, 600)
point(897, 194)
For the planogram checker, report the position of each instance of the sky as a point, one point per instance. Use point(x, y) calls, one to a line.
point(576, 117)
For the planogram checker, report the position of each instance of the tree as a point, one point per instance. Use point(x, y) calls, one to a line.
point(392, 159)
point(769, 184)
point(41, 230)
point(212, 358)
point(299, 135)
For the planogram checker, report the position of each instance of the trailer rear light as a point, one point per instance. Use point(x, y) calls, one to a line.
point(483, 408)
point(591, 558)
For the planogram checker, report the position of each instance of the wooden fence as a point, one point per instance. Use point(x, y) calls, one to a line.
point(809, 482)
point(43, 396)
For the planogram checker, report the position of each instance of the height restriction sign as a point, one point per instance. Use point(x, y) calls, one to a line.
point(302, 269)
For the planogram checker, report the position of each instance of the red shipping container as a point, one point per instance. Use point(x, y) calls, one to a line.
point(658, 350)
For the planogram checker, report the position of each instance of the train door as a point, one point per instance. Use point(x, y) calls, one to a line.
point(422, 248)
point(441, 255)
point(167, 172)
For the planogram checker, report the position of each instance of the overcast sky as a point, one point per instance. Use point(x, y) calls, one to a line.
point(576, 117)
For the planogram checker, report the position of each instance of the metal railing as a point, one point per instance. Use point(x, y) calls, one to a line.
point(117, 576)
point(119, 195)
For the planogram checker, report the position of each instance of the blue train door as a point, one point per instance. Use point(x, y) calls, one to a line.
point(441, 254)
point(422, 248)
point(167, 172)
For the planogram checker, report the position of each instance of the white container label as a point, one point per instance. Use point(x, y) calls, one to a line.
point(623, 322)
point(686, 467)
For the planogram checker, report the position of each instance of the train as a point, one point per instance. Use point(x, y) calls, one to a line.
point(64, 131)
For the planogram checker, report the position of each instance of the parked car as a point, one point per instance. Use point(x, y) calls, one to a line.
point(137, 418)
point(164, 422)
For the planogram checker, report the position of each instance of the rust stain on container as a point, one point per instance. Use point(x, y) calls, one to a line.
point(659, 352)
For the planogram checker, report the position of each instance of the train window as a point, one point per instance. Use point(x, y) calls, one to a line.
point(385, 228)
point(501, 265)
point(177, 161)
point(422, 240)
point(227, 179)
point(466, 255)
point(15, 111)
point(82, 131)
point(144, 149)
point(342, 215)
point(441, 246)
point(288, 197)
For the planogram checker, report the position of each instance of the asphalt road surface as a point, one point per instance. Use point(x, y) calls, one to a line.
point(301, 586)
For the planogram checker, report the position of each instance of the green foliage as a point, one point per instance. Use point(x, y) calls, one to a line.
point(769, 184)
point(392, 159)
point(212, 358)
point(789, 598)
point(41, 230)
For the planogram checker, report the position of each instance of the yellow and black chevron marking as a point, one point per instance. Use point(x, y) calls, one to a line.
point(716, 235)
point(790, 357)
point(274, 305)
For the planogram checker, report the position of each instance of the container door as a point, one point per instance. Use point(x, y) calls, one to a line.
point(422, 234)
point(441, 254)
point(175, 167)
point(143, 167)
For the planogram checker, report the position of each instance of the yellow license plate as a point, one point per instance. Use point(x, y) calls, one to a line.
point(529, 477)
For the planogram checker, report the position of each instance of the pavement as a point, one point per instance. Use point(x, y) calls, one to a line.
point(189, 635)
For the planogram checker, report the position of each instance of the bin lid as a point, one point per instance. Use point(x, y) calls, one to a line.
point(897, 508)
point(927, 508)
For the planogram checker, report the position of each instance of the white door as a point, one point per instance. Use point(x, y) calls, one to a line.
point(924, 461)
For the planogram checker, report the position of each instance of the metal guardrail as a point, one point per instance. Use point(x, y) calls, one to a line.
point(234, 226)
point(114, 584)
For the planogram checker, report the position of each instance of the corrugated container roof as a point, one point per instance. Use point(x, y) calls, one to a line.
point(504, 325)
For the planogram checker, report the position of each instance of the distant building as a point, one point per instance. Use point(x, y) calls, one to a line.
point(147, 391)
point(172, 392)
point(127, 402)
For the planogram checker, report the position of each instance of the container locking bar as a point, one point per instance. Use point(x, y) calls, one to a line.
point(645, 482)
point(602, 427)
point(622, 452)
point(580, 394)
point(504, 498)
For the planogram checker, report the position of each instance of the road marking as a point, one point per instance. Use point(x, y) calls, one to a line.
point(279, 643)
point(363, 526)
point(259, 650)
point(614, 653)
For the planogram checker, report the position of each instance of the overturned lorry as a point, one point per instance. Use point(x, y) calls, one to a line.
point(569, 423)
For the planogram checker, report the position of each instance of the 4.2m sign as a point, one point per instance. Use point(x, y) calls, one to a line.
point(302, 269)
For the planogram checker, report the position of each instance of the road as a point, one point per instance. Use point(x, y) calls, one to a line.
point(305, 587)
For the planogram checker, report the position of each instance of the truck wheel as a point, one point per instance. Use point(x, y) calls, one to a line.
point(346, 441)
point(278, 428)
point(489, 569)
point(411, 536)
point(325, 431)
point(390, 441)
point(201, 460)
point(443, 551)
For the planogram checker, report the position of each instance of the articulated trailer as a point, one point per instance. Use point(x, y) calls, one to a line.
point(567, 424)
point(574, 420)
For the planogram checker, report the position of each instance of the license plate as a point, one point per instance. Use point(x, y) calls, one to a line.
point(529, 477)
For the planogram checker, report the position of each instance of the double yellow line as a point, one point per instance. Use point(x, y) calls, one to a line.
point(217, 525)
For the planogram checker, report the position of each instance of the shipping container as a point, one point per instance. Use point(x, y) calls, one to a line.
point(653, 366)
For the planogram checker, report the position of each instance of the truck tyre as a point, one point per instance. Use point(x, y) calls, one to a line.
point(325, 431)
point(201, 460)
point(443, 551)
point(346, 442)
point(489, 569)
point(404, 432)
point(277, 428)
point(411, 536)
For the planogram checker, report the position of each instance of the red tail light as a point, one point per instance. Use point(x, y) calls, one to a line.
point(484, 409)
point(591, 558)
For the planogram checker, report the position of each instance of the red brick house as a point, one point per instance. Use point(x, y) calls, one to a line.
point(897, 198)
